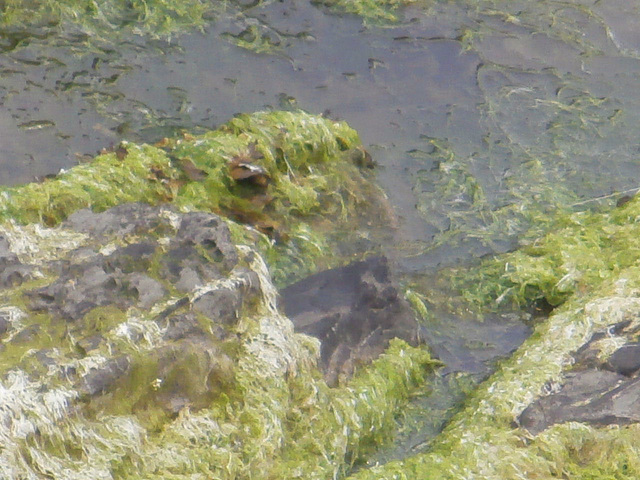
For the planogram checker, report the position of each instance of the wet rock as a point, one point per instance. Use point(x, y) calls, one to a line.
point(597, 391)
point(472, 346)
point(354, 311)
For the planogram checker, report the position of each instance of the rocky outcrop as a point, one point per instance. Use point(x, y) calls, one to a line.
point(140, 333)
point(140, 327)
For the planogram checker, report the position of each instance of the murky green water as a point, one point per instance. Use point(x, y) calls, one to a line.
point(485, 117)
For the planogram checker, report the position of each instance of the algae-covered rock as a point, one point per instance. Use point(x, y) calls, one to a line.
point(140, 331)
point(565, 405)
point(311, 191)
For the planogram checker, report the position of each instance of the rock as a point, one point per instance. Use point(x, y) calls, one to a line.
point(12, 272)
point(625, 360)
point(118, 222)
point(592, 396)
point(354, 311)
point(599, 392)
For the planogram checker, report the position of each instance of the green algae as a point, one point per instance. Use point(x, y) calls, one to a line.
point(583, 250)
point(107, 18)
point(104, 183)
point(313, 185)
point(481, 441)
point(370, 10)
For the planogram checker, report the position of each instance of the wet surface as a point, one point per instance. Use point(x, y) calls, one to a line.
point(477, 116)
point(483, 118)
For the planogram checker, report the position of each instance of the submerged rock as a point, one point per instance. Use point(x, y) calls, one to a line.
point(354, 311)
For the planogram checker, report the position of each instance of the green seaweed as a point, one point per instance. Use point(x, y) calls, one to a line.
point(107, 18)
point(313, 186)
point(583, 250)
point(469, 445)
point(370, 10)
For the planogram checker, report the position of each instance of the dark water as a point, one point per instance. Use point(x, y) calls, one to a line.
point(393, 85)
point(480, 115)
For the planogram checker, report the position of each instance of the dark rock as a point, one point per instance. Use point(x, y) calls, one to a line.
point(100, 379)
point(591, 396)
point(354, 311)
point(625, 360)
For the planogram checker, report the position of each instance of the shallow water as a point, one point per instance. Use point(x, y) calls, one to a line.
point(468, 111)
point(483, 118)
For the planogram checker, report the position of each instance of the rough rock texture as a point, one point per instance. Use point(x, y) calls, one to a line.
point(354, 311)
point(133, 263)
point(597, 391)
point(145, 342)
